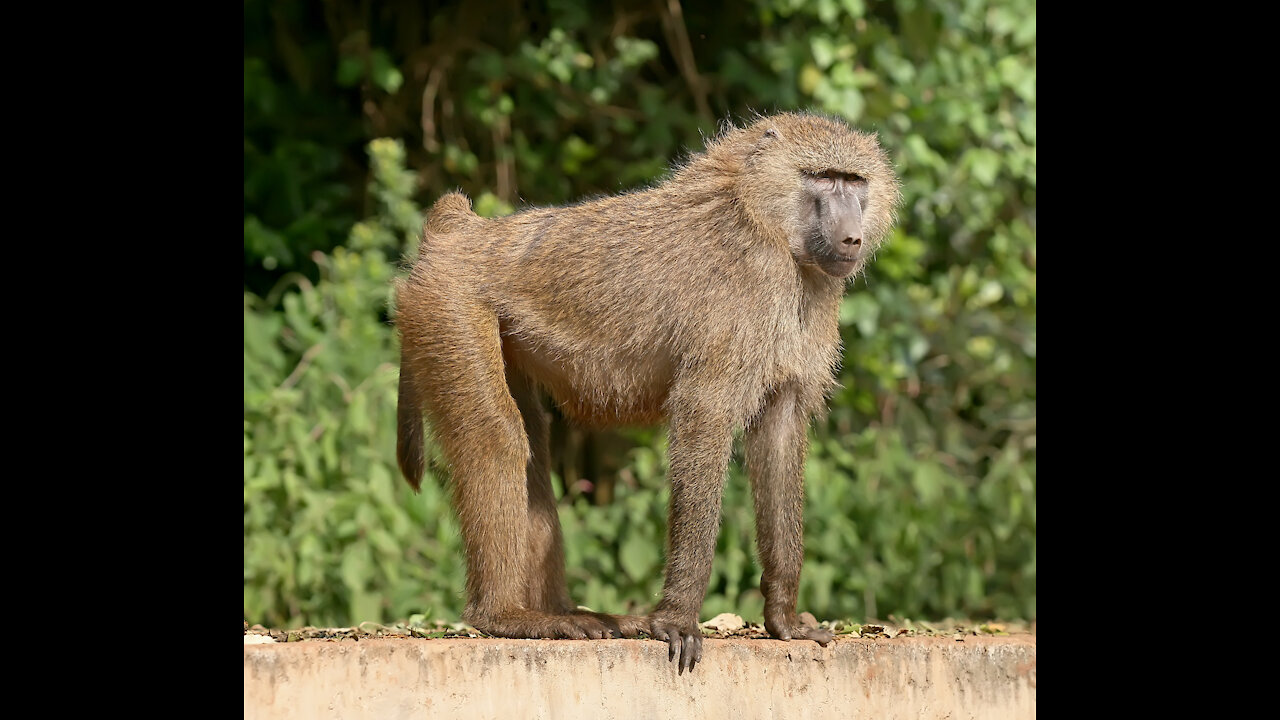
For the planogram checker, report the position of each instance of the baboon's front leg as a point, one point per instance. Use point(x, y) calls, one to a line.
point(776, 445)
point(700, 442)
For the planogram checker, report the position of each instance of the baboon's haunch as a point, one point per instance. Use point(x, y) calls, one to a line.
point(708, 302)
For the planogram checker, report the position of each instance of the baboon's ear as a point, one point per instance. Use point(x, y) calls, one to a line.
point(771, 133)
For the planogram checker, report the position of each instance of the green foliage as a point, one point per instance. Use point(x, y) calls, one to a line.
point(298, 196)
point(921, 481)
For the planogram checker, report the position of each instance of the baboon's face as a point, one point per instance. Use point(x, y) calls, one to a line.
point(831, 221)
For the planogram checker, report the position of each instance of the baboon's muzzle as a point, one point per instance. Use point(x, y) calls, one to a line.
point(837, 246)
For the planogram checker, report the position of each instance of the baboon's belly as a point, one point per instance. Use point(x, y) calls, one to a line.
point(599, 388)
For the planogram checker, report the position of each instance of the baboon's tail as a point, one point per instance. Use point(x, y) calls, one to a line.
point(450, 211)
point(410, 448)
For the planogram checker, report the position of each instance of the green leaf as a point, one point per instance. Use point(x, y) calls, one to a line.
point(350, 70)
point(985, 165)
point(384, 72)
point(824, 51)
point(355, 566)
point(637, 557)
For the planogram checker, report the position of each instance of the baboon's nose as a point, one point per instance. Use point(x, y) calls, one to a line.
point(852, 242)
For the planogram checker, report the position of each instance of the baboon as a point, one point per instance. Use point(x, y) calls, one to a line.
point(708, 301)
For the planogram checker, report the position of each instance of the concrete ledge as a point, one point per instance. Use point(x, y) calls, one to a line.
point(922, 677)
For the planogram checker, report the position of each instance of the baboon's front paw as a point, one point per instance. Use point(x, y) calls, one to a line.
point(683, 638)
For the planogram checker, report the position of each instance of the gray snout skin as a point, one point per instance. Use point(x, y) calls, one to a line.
point(841, 221)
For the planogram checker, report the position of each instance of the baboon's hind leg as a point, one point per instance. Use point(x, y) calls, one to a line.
point(482, 435)
point(546, 589)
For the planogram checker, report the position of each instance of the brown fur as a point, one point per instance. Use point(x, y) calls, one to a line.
point(691, 302)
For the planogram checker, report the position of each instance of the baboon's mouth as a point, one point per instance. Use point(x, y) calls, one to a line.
point(838, 268)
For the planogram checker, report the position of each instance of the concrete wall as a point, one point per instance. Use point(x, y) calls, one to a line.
point(923, 677)
point(739, 679)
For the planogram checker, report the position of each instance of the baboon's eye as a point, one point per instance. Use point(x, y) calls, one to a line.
point(834, 175)
point(822, 179)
